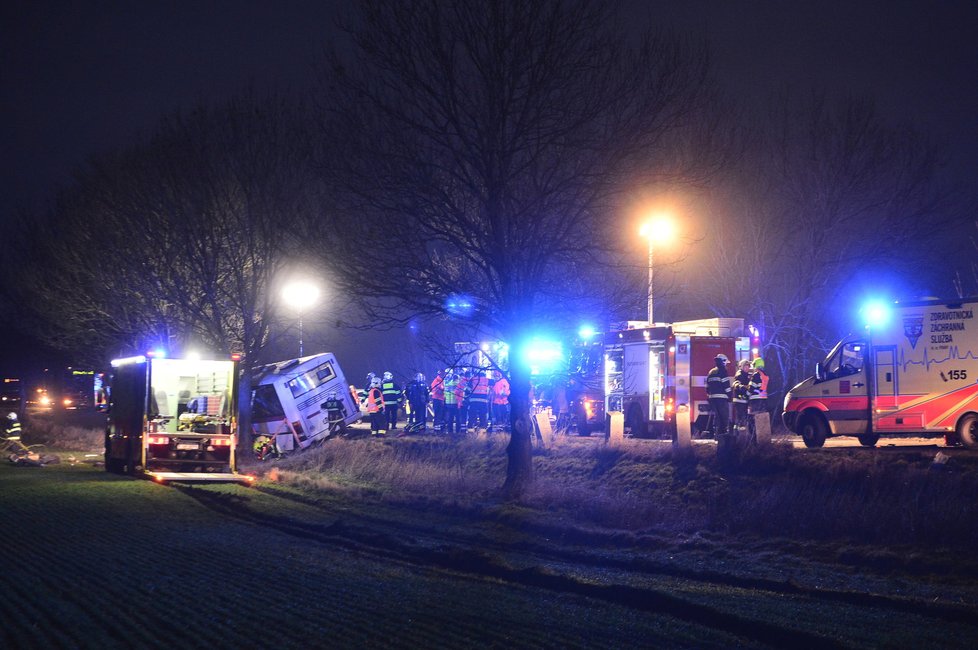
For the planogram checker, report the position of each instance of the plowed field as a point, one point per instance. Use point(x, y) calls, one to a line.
point(99, 561)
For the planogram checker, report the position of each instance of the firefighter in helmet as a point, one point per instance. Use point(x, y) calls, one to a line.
point(718, 392)
point(11, 430)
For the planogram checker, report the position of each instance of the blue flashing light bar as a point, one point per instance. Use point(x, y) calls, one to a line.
point(876, 314)
point(127, 360)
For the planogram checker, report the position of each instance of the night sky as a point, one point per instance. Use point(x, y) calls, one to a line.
point(83, 77)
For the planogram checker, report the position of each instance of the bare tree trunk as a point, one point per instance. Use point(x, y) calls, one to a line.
point(519, 452)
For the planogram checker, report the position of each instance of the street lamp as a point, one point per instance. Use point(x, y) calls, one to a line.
point(300, 295)
point(659, 229)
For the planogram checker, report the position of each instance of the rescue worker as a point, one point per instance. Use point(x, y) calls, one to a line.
point(417, 397)
point(741, 391)
point(362, 393)
point(335, 412)
point(452, 399)
point(464, 392)
point(437, 393)
point(11, 430)
point(757, 402)
point(718, 392)
point(375, 408)
point(500, 402)
point(392, 400)
point(479, 400)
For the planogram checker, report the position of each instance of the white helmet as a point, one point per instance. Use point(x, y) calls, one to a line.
point(722, 357)
point(11, 416)
point(388, 376)
point(375, 382)
point(419, 377)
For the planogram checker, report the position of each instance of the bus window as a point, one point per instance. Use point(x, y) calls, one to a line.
point(265, 404)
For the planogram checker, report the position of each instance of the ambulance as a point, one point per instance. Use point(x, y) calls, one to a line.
point(288, 403)
point(912, 373)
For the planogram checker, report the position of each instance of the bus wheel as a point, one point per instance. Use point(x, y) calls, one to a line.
point(869, 439)
point(968, 431)
point(813, 431)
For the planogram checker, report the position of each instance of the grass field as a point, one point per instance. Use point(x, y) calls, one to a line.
point(404, 543)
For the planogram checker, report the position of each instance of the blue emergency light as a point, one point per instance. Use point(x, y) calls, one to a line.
point(876, 314)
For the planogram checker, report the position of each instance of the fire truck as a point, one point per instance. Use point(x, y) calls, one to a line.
point(913, 372)
point(652, 373)
point(173, 419)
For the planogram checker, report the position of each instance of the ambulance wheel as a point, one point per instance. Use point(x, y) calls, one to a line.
point(813, 431)
point(869, 440)
point(968, 430)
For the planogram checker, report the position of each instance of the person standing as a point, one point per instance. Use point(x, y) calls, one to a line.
point(438, 398)
point(417, 397)
point(464, 391)
point(479, 400)
point(757, 402)
point(500, 402)
point(451, 424)
point(392, 400)
point(718, 392)
point(375, 408)
point(741, 391)
point(11, 430)
point(362, 393)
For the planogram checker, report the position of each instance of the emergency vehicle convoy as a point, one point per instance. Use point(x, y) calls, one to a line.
point(289, 402)
point(173, 419)
point(913, 373)
point(652, 374)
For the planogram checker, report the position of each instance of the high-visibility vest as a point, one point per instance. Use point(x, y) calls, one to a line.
point(375, 400)
point(758, 385)
point(500, 391)
point(392, 393)
point(438, 388)
point(452, 397)
point(480, 390)
point(717, 385)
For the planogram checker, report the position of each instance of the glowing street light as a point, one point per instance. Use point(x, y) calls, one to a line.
point(659, 229)
point(300, 295)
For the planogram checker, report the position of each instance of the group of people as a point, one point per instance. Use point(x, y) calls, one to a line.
point(460, 399)
point(746, 391)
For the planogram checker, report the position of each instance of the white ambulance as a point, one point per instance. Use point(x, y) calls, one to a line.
point(288, 404)
point(912, 373)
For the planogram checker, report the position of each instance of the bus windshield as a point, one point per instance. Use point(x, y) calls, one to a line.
point(265, 404)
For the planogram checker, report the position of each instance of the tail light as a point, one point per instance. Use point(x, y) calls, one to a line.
point(221, 442)
point(158, 440)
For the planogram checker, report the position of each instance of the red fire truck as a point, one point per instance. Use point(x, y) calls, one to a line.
point(653, 373)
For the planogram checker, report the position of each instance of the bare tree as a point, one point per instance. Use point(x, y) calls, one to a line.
point(178, 240)
point(478, 153)
point(829, 196)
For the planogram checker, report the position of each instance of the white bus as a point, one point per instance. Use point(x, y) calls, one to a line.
point(288, 404)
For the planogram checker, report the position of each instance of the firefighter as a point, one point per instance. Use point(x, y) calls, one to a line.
point(437, 393)
point(500, 402)
point(11, 430)
point(464, 392)
point(757, 402)
point(417, 397)
point(375, 407)
point(718, 392)
point(392, 400)
point(451, 423)
point(479, 400)
point(362, 393)
point(335, 411)
point(741, 391)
